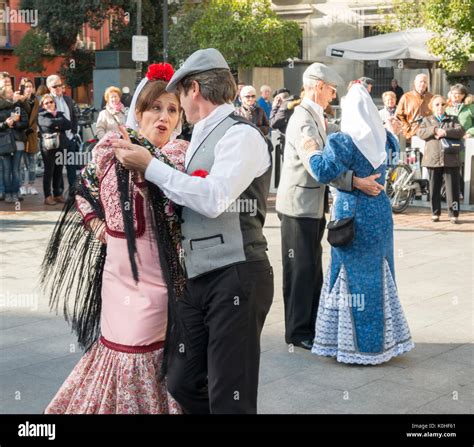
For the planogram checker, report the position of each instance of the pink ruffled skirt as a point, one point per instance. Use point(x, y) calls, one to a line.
point(115, 379)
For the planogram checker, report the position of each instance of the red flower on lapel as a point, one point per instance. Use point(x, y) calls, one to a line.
point(200, 173)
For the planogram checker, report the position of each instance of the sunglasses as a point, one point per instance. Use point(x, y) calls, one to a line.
point(57, 86)
point(48, 102)
point(250, 96)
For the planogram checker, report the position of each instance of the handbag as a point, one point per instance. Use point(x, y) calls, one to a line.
point(449, 146)
point(7, 143)
point(341, 232)
point(51, 141)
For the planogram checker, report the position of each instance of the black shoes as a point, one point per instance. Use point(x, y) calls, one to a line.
point(305, 344)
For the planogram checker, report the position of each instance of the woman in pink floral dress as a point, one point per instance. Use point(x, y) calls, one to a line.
point(120, 269)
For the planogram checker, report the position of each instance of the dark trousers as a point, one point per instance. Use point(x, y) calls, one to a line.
point(215, 357)
point(451, 179)
point(71, 168)
point(53, 172)
point(301, 253)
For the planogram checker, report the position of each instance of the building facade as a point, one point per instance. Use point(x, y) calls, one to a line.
point(15, 23)
point(325, 22)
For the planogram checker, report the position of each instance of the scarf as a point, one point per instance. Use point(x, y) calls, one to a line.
point(71, 272)
point(361, 120)
point(114, 110)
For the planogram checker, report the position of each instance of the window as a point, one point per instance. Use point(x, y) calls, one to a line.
point(3, 27)
point(300, 45)
point(39, 80)
point(381, 75)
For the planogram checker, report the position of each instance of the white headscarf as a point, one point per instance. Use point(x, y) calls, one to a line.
point(361, 120)
point(132, 121)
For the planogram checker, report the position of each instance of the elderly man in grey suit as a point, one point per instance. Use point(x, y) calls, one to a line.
point(300, 204)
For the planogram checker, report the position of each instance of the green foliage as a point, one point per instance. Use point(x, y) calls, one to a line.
point(451, 21)
point(247, 32)
point(182, 42)
point(77, 69)
point(152, 26)
point(63, 19)
point(30, 51)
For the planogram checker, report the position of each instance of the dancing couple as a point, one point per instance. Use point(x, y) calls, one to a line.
point(166, 287)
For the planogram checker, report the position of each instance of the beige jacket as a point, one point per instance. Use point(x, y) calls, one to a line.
point(107, 122)
point(299, 194)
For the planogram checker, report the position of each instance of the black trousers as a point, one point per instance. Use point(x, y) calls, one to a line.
point(301, 253)
point(71, 168)
point(451, 179)
point(52, 172)
point(215, 357)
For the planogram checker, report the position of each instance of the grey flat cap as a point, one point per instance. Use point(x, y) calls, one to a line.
point(324, 73)
point(199, 61)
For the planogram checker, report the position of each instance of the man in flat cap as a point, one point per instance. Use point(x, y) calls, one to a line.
point(214, 365)
point(300, 203)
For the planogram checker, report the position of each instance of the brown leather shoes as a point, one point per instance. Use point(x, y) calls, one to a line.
point(50, 201)
point(59, 199)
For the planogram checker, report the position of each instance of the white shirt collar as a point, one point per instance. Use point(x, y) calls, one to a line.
point(218, 114)
point(204, 127)
point(316, 107)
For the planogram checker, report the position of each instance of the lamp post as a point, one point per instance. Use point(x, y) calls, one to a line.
point(139, 32)
point(165, 30)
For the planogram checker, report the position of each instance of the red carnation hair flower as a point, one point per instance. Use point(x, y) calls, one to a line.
point(200, 173)
point(162, 71)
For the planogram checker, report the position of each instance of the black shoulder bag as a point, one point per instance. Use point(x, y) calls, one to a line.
point(450, 146)
point(341, 232)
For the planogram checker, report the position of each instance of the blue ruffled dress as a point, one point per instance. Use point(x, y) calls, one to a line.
point(360, 319)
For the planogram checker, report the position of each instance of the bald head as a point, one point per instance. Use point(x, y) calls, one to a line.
point(421, 83)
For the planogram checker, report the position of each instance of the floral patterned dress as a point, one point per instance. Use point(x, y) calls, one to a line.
point(119, 374)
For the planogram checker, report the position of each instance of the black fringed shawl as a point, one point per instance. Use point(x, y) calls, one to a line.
point(71, 272)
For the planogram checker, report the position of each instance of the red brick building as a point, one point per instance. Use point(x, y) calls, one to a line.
point(12, 30)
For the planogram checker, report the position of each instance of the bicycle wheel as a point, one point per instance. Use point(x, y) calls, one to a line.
point(398, 188)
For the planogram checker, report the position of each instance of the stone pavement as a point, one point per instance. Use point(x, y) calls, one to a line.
point(434, 271)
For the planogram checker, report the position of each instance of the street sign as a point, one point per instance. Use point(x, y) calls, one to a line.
point(140, 48)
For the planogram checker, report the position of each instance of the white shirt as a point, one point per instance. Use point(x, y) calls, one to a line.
point(317, 109)
point(240, 156)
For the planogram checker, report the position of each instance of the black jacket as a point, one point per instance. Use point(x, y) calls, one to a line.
point(281, 114)
point(6, 109)
point(48, 123)
point(72, 113)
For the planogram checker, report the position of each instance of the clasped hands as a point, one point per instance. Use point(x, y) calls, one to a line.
point(132, 156)
point(439, 133)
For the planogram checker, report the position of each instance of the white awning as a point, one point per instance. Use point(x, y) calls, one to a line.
point(410, 44)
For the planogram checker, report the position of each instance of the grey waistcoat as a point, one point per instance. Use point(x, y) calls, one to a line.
point(234, 236)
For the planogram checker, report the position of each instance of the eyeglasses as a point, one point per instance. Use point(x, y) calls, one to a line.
point(57, 86)
point(334, 89)
point(48, 102)
point(250, 96)
point(440, 104)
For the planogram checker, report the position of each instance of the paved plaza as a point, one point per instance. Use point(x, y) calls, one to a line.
point(434, 272)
